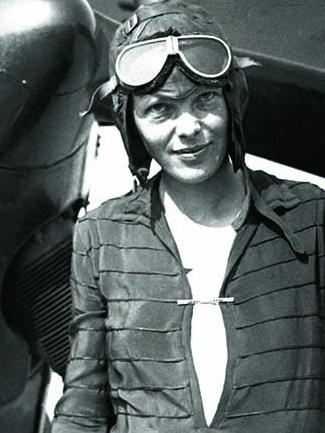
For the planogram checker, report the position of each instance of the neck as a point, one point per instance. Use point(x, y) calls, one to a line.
point(215, 202)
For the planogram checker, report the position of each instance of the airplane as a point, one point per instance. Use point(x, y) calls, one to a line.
point(54, 55)
point(51, 60)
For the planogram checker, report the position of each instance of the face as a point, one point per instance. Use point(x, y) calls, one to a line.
point(184, 128)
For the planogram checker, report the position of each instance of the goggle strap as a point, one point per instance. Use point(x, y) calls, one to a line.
point(100, 93)
point(131, 24)
point(246, 62)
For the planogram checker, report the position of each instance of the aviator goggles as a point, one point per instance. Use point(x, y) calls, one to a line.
point(204, 57)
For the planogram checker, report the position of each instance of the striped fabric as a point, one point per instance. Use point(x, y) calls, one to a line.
point(131, 369)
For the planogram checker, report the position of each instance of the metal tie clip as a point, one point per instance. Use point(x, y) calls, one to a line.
point(216, 301)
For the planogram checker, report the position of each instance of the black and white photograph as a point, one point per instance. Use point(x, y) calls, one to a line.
point(162, 237)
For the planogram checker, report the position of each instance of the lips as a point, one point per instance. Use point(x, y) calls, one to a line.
point(192, 150)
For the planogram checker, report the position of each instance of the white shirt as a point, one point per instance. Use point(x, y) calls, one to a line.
point(205, 251)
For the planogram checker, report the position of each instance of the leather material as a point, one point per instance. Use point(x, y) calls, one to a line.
point(131, 354)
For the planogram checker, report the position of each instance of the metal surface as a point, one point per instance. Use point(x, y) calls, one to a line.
point(47, 66)
point(285, 117)
point(50, 62)
point(280, 28)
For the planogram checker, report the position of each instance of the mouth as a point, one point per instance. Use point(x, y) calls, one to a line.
point(192, 150)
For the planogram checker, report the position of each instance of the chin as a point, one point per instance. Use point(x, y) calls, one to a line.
point(193, 176)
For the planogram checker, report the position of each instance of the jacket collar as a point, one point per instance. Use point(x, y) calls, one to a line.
point(269, 196)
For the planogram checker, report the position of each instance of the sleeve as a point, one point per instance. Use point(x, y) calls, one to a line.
point(321, 242)
point(85, 406)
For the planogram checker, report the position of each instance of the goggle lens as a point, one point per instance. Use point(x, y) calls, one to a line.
point(206, 56)
point(141, 64)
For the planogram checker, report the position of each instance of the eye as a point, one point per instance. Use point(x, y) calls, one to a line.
point(159, 110)
point(208, 99)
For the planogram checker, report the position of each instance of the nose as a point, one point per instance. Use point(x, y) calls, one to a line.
point(188, 125)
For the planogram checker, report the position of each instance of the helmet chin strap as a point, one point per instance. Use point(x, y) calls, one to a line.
point(236, 101)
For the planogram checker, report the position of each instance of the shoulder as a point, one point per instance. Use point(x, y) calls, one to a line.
point(109, 208)
point(116, 218)
point(270, 185)
point(98, 222)
point(133, 207)
point(298, 203)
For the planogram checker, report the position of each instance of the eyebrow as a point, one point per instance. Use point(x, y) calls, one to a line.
point(180, 96)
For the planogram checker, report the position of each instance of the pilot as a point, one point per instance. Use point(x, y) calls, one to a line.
point(198, 297)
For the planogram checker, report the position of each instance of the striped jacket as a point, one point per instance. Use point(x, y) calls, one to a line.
point(130, 367)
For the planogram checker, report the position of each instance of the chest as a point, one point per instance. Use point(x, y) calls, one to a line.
point(274, 327)
point(142, 276)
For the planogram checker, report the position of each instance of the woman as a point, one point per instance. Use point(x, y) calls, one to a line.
point(206, 245)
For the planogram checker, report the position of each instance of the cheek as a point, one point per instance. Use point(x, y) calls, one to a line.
point(155, 145)
point(218, 121)
point(219, 115)
point(155, 136)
